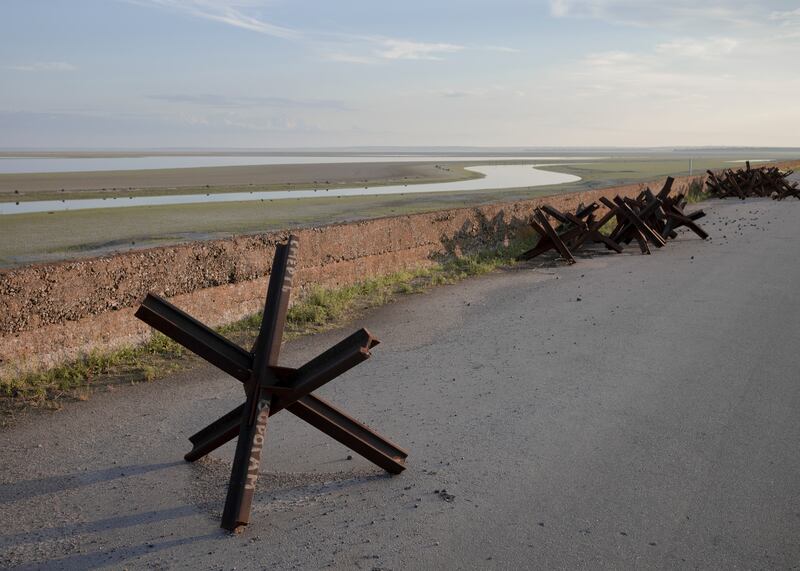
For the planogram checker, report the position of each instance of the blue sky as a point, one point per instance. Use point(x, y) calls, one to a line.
point(275, 73)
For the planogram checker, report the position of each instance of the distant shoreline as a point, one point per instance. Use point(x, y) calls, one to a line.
point(384, 150)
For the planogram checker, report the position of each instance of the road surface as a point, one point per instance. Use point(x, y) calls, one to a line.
point(626, 412)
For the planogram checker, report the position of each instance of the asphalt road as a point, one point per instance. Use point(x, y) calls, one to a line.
point(628, 412)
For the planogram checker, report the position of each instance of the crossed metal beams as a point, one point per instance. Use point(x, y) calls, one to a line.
point(271, 388)
point(762, 181)
point(650, 219)
point(575, 230)
point(632, 225)
point(550, 238)
point(676, 217)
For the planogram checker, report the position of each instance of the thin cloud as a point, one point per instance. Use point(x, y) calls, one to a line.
point(710, 63)
point(692, 48)
point(788, 21)
point(458, 93)
point(374, 50)
point(349, 58)
point(44, 66)
point(559, 8)
point(786, 16)
point(631, 76)
point(405, 49)
point(244, 102)
point(227, 12)
point(645, 13)
point(486, 91)
point(503, 49)
point(344, 48)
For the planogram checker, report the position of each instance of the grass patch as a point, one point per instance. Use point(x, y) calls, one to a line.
point(316, 310)
point(697, 191)
point(77, 379)
point(607, 228)
point(322, 308)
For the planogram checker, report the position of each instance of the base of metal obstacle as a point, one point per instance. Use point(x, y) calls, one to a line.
point(271, 388)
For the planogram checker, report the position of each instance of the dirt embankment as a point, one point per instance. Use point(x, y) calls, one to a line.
point(51, 313)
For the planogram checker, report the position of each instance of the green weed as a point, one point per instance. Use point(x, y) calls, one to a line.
point(696, 191)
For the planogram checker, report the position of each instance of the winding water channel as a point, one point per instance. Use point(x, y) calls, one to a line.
point(495, 177)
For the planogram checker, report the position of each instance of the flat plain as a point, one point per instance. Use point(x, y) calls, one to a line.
point(43, 237)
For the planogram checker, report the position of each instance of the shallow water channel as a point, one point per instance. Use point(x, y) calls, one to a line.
point(494, 177)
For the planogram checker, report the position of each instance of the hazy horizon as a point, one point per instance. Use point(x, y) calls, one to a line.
point(279, 75)
point(401, 149)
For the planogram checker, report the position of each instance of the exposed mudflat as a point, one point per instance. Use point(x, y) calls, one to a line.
point(626, 412)
point(303, 174)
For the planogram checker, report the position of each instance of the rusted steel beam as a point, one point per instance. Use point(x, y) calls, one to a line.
point(593, 233)
point(631, 232)
point(324, 368)
point(196, 337)
point(644, 215)
point(544, 244)
point(557, 214)
point(270, 388)
point(237, 362)
point(319, 413)
point(222, 430)
point(322, 415)
point(252, 431)
point(357, 437)
point(567, 218)
point(623, 227)
point(676, 217)
point(586, 210)
point(640, 225)
point(573, 233)
point(677, 220)
point(666, 189)
point(559, 245)
point(763, 181)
